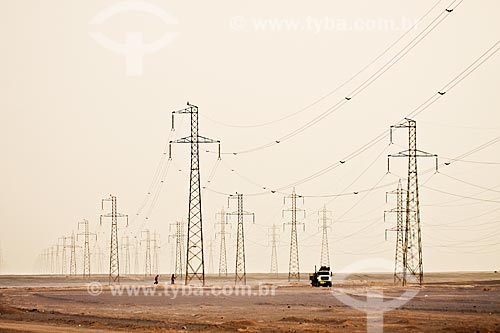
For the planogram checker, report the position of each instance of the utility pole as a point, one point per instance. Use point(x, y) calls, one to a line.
point(126, 250)
point(222, 233)
point(325, 220)
point(1, 260)
point(114, 263)
point(240, 272)
point(86, 246)
point(412, 255)
point(274, 254)
point(293, 265)
point(399, 267)
point(147, 268)
point(195, 265)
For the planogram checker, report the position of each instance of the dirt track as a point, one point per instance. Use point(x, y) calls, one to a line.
point(469, 303)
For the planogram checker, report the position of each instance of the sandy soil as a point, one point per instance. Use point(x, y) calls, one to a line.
point(451, 302)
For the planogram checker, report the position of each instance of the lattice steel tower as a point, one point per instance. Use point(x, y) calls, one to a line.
point(222, 250)
point(293, 265)
point(147, 262)
point(114, 263)
point(179, 237)
point(86, 246)
point(274, 254)
point(156, 253)
point(412, 255)
point(72, 261)
point(399, 268)
point(325, 220)
point(126, 256)
point(240, 272)
point(195, 264)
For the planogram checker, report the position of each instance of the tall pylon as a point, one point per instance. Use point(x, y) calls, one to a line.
point(86, 245)
point(412, 255)
point(98, 255)
point(126, 253)
point(195, 264)
point(156, 253)
point(147, 262)
point(274, 238)
point(72, 262)
point(325, 221)
point(210, 269)
point(64, 263)
point(293, 265)
point(114, 262)
point(240, 275)
point(179, 237)
point(400, 232)
point(222, 249)
point(136, 256)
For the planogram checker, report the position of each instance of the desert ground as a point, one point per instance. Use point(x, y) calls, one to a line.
point(447, 302)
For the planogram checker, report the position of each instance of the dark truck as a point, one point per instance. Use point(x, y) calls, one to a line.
point(321, 278)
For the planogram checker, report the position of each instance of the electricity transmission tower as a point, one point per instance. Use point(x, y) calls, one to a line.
point(86, 246)
point(195, 265)
point(136, 256)
point(147, 268)
point(126, 251)
point(114, 263)
point(222, 251)
point(293, 266)
point(210, 269)
point(64, 262)
point(156, 253)
point(399, 267)
point(412, 255)
point(98, 255)
point(179, 236)
point(325, 220)
point(274, 254)
point(240, 272)
point(72, 262)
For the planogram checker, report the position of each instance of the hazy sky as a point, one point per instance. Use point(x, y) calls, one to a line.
point(77, 126)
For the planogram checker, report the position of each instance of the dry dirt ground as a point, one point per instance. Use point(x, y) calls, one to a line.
point(451, 302)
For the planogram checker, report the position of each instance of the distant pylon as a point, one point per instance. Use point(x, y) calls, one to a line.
point(179, 237)
point(274, 254)
point(222, 249)
point(412, 256)
point(72, 265)
point(86, 246)
point(114, 263)
point(195, 264)
point(98, 258)
point(240, 271)
point(147, 266)
point(136, 256)
point(64, 263)
point(293, 266)
point(210, 269)
point(156, 253)
point(126, 251)
point(400, 232)
point(325, 221)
